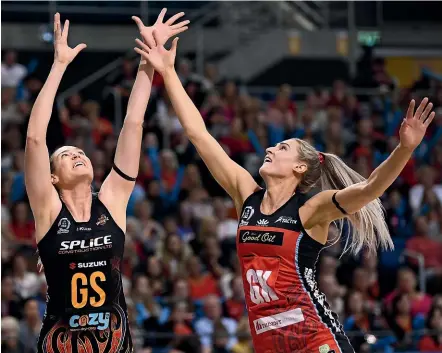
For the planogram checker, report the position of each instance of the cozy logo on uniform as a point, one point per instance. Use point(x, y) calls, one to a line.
point(261, 237)
point(92, 321)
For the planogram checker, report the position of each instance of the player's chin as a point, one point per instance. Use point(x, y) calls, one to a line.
point(265, 168)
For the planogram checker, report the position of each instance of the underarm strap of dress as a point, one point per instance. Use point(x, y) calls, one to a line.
point(122, 174)
point(338, 206)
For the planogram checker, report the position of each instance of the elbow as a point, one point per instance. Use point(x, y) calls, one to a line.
point(195, 133)
point(34, 140)
point(371, 191)
point(133, 124)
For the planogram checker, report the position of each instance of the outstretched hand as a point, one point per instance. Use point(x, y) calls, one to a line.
point(415, 124)
point(165, 30)
point(160, 58)
point(64, 54)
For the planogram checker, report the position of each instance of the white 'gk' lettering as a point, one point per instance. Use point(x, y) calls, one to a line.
point(260, 291)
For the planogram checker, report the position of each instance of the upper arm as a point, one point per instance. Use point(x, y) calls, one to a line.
point(233, 178)
point(321, 209)
point(38, 183)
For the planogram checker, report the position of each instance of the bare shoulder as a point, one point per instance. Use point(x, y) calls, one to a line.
point(244, 193)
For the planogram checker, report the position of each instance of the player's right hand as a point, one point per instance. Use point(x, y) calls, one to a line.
point(160, 58)
point(63, 54)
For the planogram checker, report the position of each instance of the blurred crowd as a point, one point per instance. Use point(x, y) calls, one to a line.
point(181, 276)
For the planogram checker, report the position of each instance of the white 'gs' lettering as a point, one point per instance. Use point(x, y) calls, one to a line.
point(260, 291)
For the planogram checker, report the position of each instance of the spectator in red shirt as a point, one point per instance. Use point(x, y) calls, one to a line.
point(421, 243)
point(201, 283)
point(284, 103)
point(235, 306)
point(236, 141)
point(22, 226)
point(230, 99)
point(433, 343)
point(101, 127)
point(406, 284)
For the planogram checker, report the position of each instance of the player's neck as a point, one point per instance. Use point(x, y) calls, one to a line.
point(277, 194)
point(78, 201)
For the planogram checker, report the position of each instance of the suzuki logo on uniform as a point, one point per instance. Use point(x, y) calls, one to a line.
point(262, 222)
point(63, 226)
point(246, 215)
point(257, 237)
point(88, 264)
point(99, 321)
point(79, 246)
point(287, 220)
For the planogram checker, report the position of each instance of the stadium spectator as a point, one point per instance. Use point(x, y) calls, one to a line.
point(420, 303)
point(433, 342)
point(30, 326)
point(215, 323)
point(10, 335)
point(26, 283)
point(12, 71)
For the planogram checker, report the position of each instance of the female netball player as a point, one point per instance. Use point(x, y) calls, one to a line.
point(281, 233)
point(80, 235)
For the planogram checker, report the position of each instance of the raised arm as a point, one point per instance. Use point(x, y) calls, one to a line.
point(235, 180)
point(42, 195)
point(353, 198)
point(120, 182)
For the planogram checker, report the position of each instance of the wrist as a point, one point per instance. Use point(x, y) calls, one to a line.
point(405, 149)
point(168, 72)
point(58, 66)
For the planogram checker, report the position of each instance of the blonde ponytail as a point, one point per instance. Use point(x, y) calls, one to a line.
point(369, 228)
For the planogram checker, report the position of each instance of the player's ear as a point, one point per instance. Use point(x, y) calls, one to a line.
point(54, 179)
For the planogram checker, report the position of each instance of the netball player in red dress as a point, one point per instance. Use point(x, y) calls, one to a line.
point(281, 232)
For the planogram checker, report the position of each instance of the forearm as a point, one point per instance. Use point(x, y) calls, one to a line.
point(127, 155)
point(188, 115)
point(42, 109)
point(139, 96)
point(384, 175)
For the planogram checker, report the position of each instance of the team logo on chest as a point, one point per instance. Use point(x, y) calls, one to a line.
point(246, 215)
point(102, 220)
point(263, 222)
point(63, 226)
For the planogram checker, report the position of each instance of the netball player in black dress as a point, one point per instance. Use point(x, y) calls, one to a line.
point(80, 235)
point(281, 232)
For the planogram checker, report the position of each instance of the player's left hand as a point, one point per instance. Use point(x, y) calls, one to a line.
point(415, 124)
point(164, 30)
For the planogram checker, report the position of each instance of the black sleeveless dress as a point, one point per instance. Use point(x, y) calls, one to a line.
point(86, 310)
